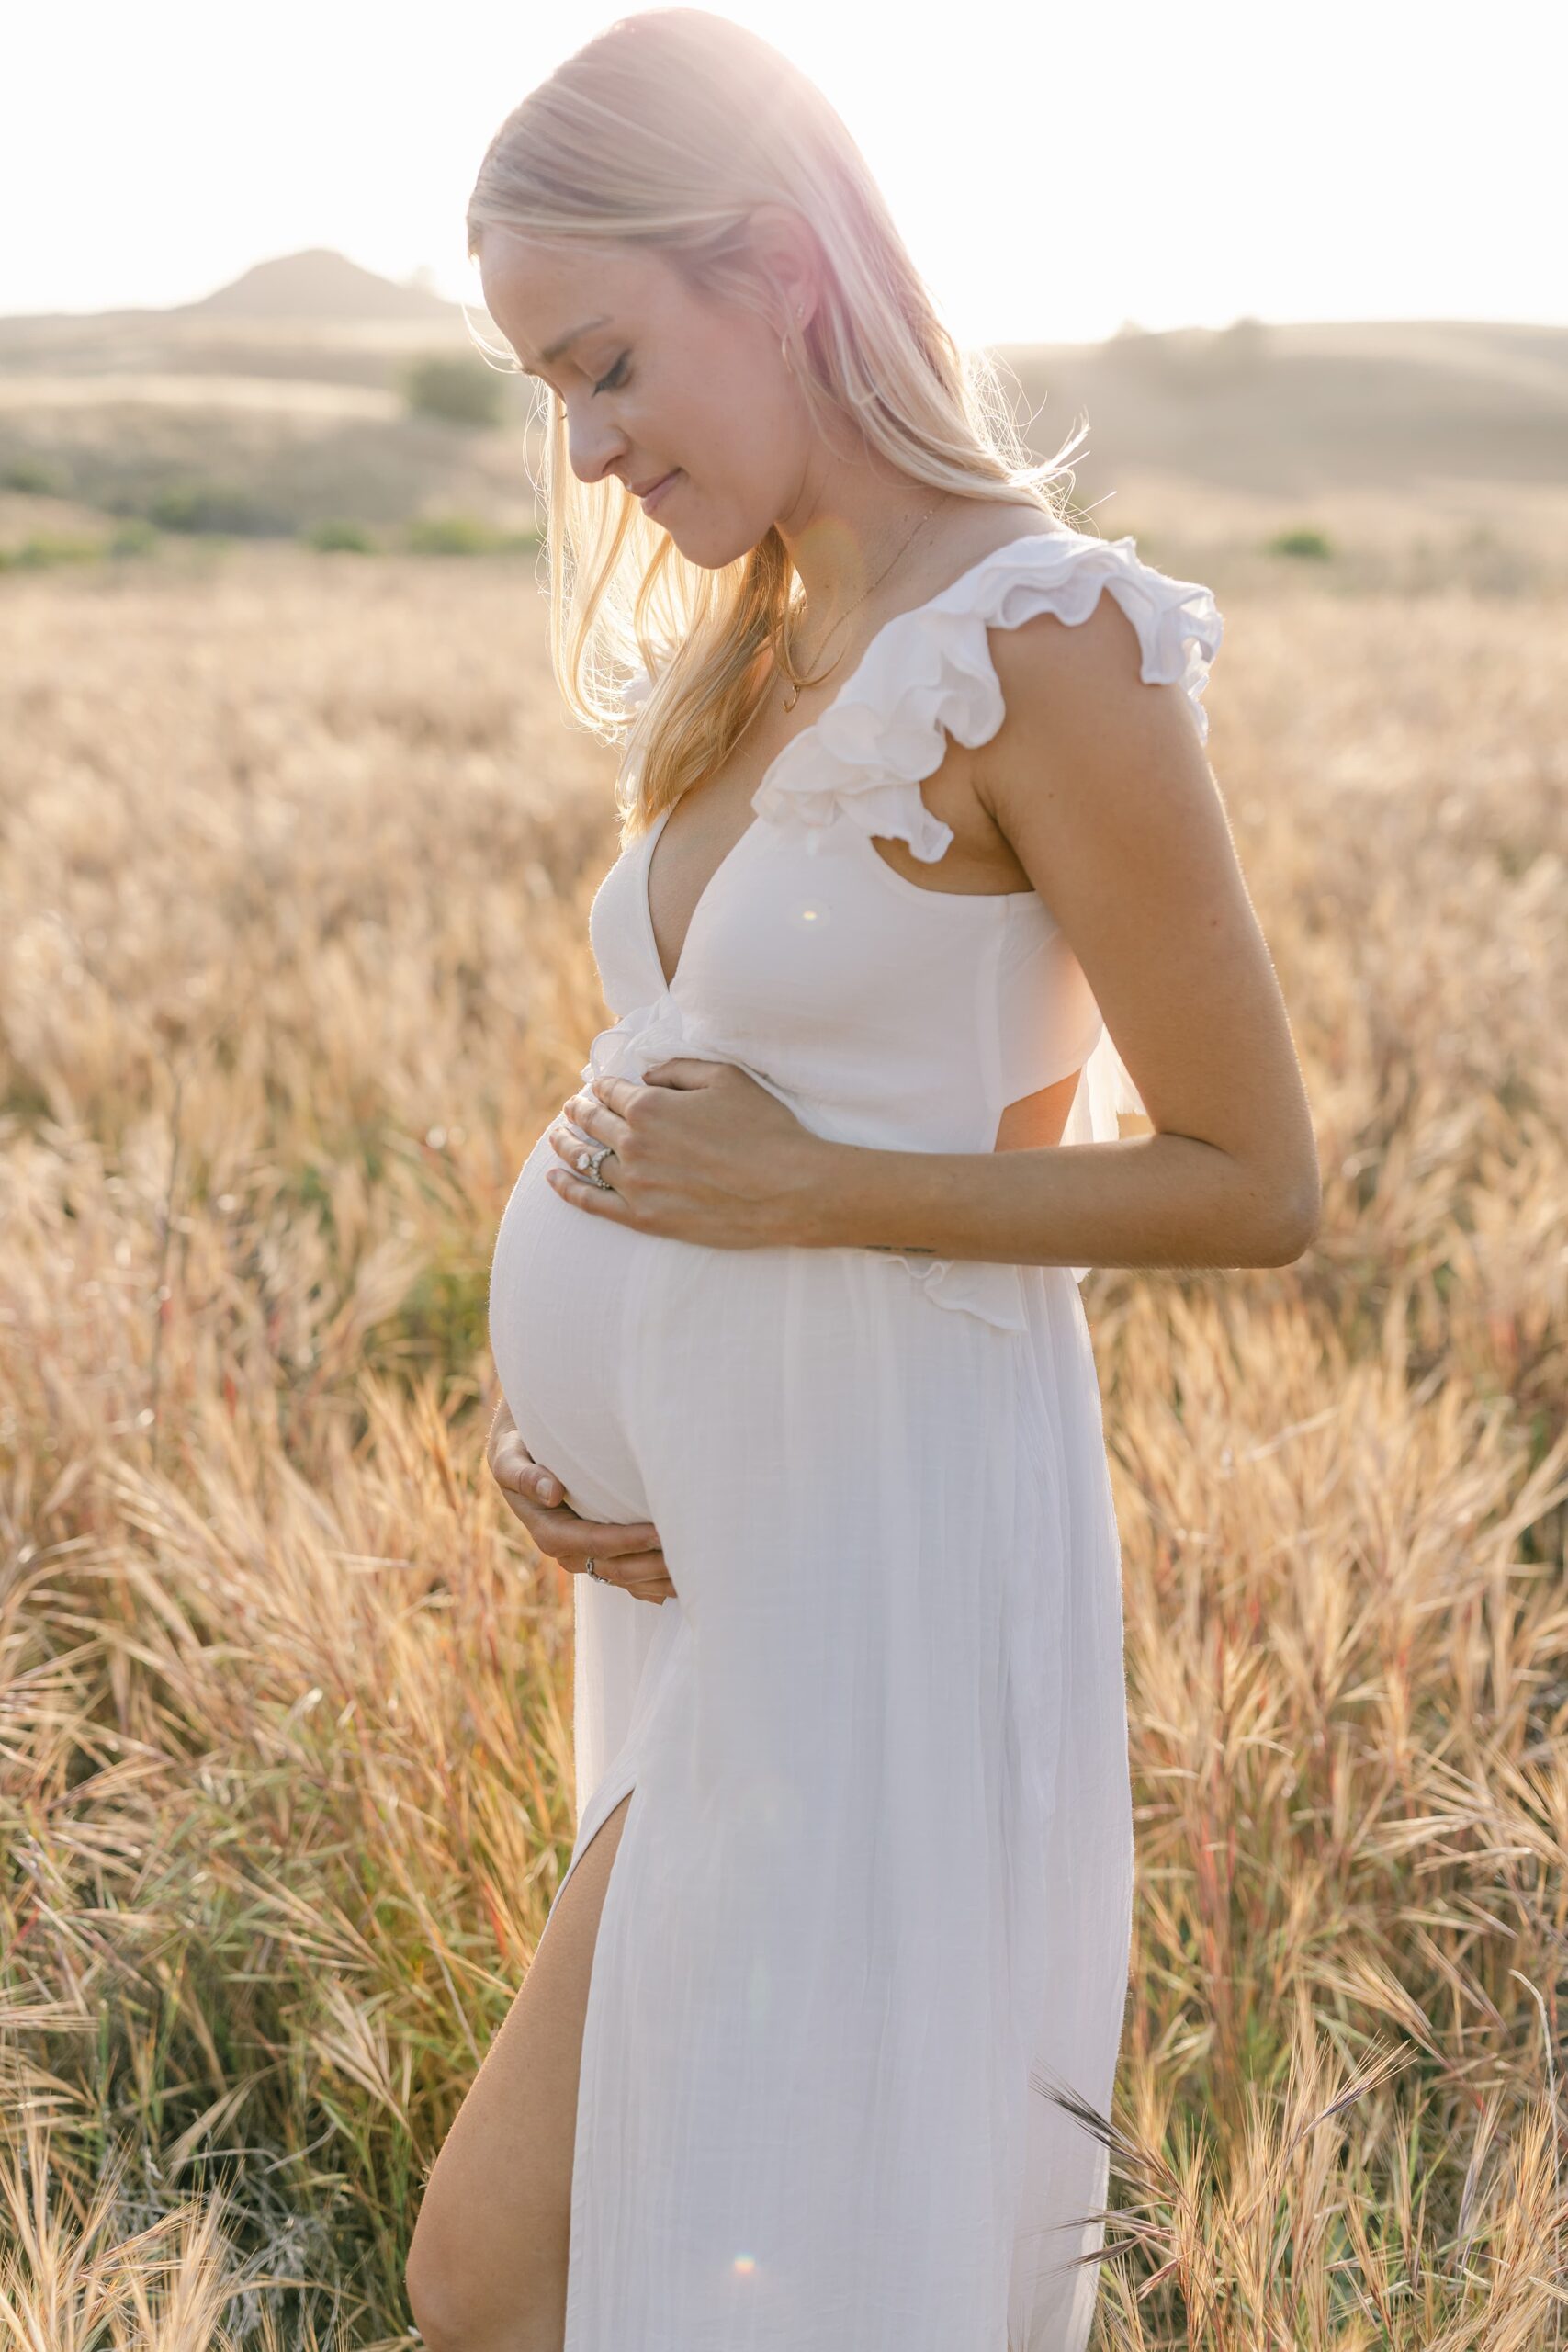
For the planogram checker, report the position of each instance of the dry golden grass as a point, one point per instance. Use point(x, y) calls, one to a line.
point(294, 872)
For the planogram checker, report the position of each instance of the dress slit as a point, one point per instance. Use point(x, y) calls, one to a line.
point(590, 2102)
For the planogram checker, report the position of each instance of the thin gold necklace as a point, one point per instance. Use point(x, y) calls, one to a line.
point(781, 654)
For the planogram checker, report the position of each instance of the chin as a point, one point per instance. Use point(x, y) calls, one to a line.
point(708, 550)
point(696, 546)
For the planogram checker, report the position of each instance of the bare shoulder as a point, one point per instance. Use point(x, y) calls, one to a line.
point(1071, 689)
point(1097, 778)
point(1090, 756)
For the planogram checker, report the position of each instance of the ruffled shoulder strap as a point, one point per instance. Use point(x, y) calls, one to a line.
point(927, 675)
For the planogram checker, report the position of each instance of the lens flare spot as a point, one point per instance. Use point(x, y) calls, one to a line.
point(744, 2265)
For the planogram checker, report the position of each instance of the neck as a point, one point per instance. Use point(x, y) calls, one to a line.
point(846, 534)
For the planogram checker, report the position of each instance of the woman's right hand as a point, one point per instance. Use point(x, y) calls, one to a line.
point(627, 1553)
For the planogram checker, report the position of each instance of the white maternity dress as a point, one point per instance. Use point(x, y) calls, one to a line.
point(873, 1897)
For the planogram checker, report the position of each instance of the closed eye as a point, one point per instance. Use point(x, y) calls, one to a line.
point(615, 379)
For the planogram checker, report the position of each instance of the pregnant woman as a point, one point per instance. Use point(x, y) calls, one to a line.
point(784, 1305)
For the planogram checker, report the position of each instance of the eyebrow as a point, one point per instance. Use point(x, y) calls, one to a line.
point(554, 350)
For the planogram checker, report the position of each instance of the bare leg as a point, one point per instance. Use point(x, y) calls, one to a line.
point(486, 2267)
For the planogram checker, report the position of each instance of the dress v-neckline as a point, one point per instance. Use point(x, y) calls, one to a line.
point(651, 837)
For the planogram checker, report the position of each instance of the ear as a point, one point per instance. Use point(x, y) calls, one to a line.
point(785, 249)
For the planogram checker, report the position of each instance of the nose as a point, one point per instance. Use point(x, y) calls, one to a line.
point(594, 446)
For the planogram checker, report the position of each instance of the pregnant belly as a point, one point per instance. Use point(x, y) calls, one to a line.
point(562, 1282)
point(567, 1290)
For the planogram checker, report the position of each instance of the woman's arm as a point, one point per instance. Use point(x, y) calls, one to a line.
point(1101, 785)
point(1159, 1200)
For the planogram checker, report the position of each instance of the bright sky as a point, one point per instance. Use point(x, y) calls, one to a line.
point(1055, 169)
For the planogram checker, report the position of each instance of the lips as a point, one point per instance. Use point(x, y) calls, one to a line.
point(656, 488)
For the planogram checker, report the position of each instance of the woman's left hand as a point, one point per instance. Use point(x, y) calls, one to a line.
point(698, 1151)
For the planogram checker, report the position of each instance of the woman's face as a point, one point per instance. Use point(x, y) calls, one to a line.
point(656, 380)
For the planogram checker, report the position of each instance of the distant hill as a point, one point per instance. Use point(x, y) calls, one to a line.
point(317, 288)
point(1301, 407)
point(292, 377)
point(317, 284)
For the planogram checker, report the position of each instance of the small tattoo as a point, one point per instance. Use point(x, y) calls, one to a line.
point(902, 1249)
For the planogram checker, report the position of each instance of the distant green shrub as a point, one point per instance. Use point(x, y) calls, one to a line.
point(338, 536)
point(1303, 542)
point(45, 548)
point(455, 388)
point(216, 506)
point(31, 476)
point(453, 534)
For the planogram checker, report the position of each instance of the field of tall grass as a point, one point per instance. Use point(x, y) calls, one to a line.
point(294, 862)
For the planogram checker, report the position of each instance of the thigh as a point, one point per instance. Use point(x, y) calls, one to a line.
point(489, 2246)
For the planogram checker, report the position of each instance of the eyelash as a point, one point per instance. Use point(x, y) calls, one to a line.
point(605, 383)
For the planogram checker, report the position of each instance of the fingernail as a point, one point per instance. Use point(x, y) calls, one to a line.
point(546, 1490)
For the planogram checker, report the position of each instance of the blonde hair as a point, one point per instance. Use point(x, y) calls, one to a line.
point(667, 129)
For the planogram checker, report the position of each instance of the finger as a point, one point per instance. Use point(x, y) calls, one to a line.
point(565, 1138)
point(645, 1575)
point(623, 1568)
point(617, 1094)
point(515, 1469)
point(660, 1590)
point(537, 1498)
point(684, 1070)
point(535, 1510)
point(544, 1525)
point(593, 1115)
point(572, 1132)
point(616, 1539)
point(569, 1145)
point(591, 1197)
